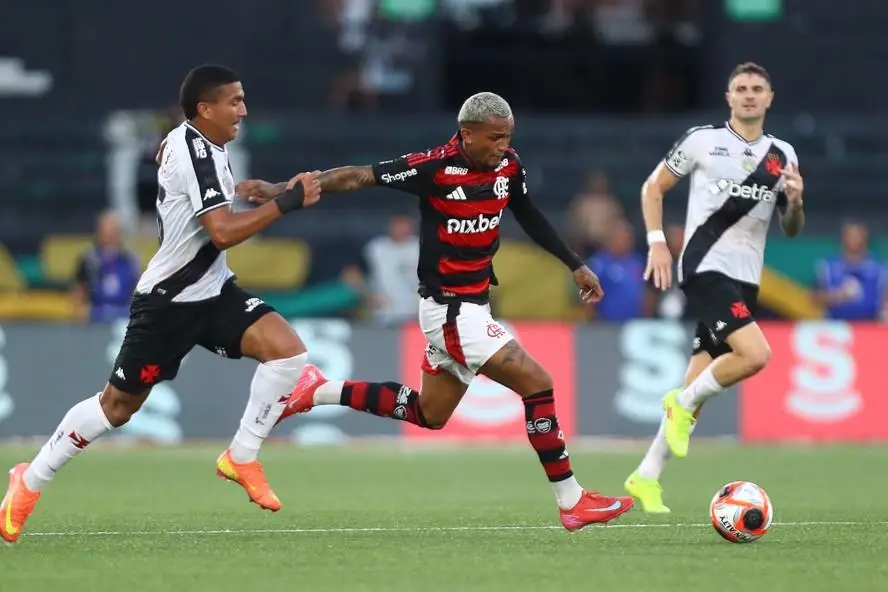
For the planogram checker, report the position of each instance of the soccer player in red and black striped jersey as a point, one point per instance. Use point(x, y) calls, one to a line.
point(464, 186)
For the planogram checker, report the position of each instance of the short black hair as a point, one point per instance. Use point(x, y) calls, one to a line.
point(749, 68)
point(201, 83)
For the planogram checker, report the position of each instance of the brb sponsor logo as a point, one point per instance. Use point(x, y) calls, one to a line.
point(398, 177)
point(755, 191)
point(474, 225)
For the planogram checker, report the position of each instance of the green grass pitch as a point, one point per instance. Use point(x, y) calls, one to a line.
point(380, 517)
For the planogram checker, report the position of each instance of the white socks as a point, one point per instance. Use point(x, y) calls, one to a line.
point(702, 389)
point(698, 392)
point(567, 492)
point(652, 464)
point(271, 387)
point(83, 424)
point(329, 393)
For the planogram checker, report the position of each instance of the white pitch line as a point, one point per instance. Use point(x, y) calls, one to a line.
point(407, 529)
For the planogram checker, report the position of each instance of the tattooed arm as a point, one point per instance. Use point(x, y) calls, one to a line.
point(347, 178)
point(397, 174)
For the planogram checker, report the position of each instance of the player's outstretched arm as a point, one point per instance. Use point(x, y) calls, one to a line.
point(347, 178)
point(228, 228)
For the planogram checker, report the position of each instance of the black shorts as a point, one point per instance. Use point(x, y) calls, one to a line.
point(721, 305)
point(160, 333)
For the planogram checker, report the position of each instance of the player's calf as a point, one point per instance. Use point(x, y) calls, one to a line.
point(385, 399)
point(517, 370)
point(84, 423)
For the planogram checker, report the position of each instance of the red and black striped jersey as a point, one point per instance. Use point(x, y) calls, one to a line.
point(461, 208)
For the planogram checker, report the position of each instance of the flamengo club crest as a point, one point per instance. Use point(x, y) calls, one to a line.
point(501, 187)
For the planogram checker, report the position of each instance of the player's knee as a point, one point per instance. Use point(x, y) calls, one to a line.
point(433, 419)
point(760, 358)
point(435, 423)
point(757, 359)
point(119, 406)
point(537, 381)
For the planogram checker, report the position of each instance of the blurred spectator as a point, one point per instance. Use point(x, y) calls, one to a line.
point(592, 214)
point(383, 43)
point(562, 15)
point(621, 271)
point(852, 285)
point(146, 183)
point(671, 303)
point(469, 14)
point(389, 287)
point(106, 275)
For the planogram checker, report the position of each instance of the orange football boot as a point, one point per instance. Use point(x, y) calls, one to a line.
point(250, 476)
point(17, 505)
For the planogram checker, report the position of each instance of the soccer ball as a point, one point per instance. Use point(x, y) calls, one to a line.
point(741, 512)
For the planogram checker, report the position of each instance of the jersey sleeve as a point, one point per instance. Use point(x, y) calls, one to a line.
point(412, 173)
point(197, 172)
point(684, 155)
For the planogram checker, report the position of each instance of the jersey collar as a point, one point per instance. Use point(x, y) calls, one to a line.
point(741, 138)
point(193, 128)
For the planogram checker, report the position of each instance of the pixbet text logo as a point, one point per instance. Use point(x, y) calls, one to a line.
point(398, 177)
point(733, 189)
point(473, 226)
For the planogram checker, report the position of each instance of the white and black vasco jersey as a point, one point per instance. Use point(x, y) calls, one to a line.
point(734, 187)
point(194, 178)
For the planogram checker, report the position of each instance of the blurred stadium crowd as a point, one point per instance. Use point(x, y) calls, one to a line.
point(601, 89)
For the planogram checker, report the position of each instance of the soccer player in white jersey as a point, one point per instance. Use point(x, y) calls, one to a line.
point(187, 297)
point(738, 176)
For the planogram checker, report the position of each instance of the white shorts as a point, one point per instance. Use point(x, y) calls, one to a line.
point(461, 337)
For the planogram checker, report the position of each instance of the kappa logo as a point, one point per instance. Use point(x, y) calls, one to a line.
point(210, 194)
